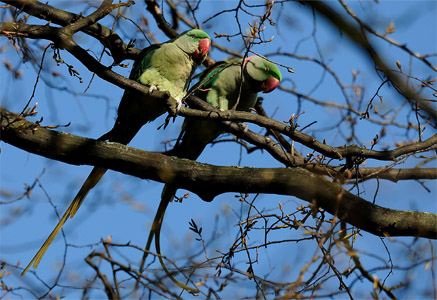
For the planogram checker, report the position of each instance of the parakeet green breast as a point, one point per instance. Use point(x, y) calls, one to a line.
point(169, 69)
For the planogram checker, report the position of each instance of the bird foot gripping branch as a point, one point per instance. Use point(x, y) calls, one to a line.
point(173, 106)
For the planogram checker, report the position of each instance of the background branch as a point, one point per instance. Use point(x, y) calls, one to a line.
point(358, 37)
point(119, 50)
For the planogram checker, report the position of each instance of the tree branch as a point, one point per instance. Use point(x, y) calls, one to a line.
point(386, 38)
point(153, 8)
point(309, 141)
point(208, 181)
point(119, 50)
point(359, 38)
point(397, 174)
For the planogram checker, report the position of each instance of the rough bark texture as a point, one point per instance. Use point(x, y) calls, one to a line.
point(208, 181)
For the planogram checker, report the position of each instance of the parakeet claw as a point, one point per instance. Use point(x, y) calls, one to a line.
point(178, 104)
point(173, 112)
point(152, 88)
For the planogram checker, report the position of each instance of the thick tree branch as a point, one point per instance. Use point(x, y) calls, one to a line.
point(209, 181)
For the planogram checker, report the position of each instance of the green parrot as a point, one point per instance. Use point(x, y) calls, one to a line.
point(164, 67)
point(226, 85)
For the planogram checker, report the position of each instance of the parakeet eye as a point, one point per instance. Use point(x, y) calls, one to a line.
point(267, 69)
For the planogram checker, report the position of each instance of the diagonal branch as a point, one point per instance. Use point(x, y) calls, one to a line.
point(386, 38)
point(359, 38)
point(153, 8)
point(106, 36)
point(309, 141)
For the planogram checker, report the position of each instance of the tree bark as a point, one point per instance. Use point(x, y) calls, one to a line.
point(208, 181)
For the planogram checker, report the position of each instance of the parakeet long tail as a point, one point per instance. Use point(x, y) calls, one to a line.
point(94, 177)
point(167, 196)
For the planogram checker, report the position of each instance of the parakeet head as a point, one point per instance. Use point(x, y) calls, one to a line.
point(265, 74)
point(195, 42)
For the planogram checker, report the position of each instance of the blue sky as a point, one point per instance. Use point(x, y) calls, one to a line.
point(123, 207)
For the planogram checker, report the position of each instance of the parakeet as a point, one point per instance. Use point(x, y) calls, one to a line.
point(165, 67)
point(228, 85)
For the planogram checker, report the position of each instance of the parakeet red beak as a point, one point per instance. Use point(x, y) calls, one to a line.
point(269, 85)
point(203, 48)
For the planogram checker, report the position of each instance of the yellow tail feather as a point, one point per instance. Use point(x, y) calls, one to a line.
point(94, 177)
point(165, 199)
point(168, 194)
point(161, 261)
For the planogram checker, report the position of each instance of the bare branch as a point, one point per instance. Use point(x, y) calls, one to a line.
point(153, 8)
point(329, 151)
point(119, 50)
point(389, 40)
point(361, 40)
